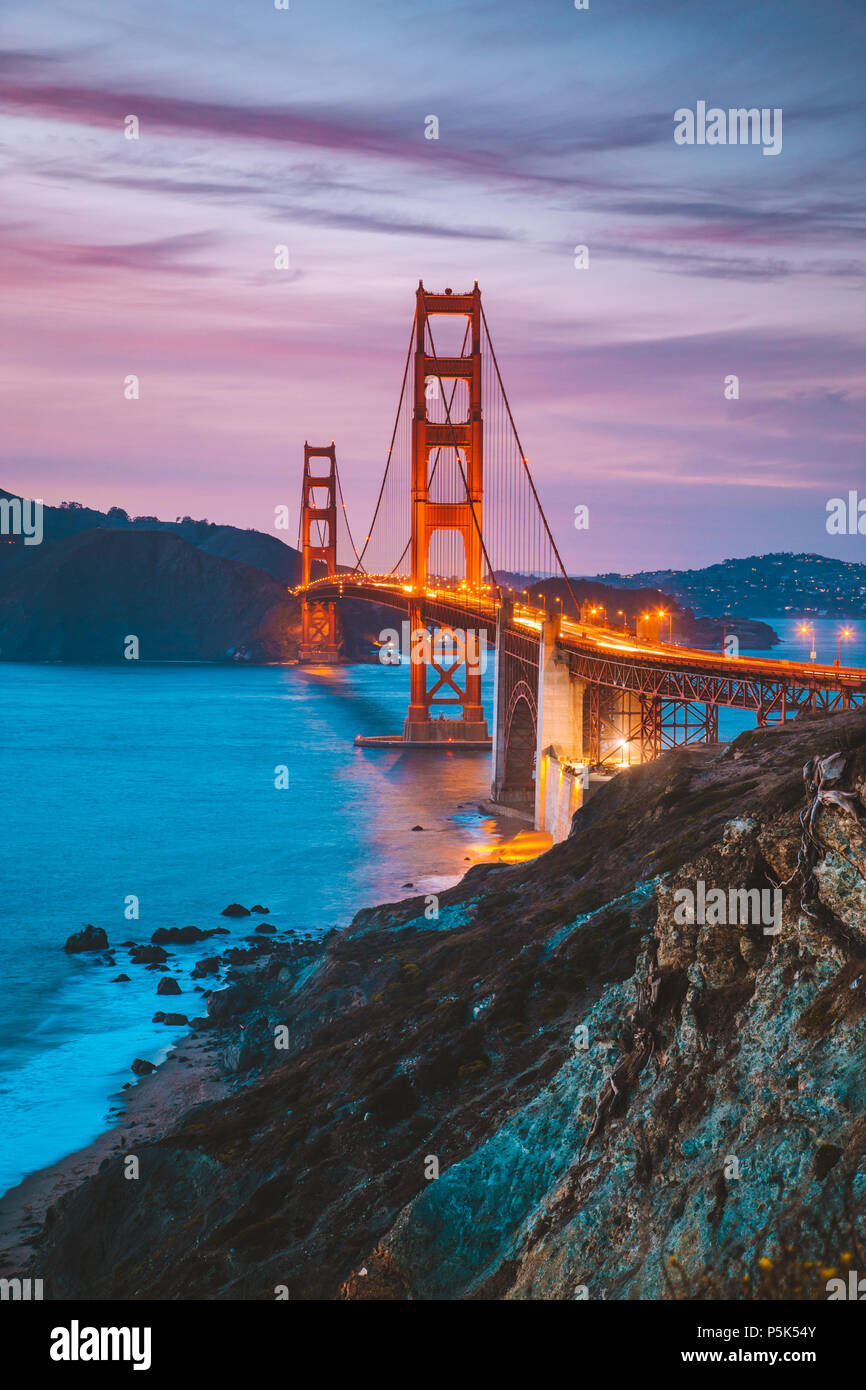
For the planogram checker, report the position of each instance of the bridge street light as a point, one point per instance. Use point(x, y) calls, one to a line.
point(804, 629)
point(847, 634)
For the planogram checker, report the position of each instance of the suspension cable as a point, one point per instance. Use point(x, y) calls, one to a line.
point(391, 446)
point(526, 465)
point(456, 449)
point(345, 517)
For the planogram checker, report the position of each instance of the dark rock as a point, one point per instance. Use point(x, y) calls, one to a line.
point(199, 1023)
point(224, 1004)
point(209, 966)
point(159, 1017)
point(90, 938)
point(235, 910)
point(257, 907)
point(147, 955)
point(142, 1068)
point(185, 936)
point(168, 985)
point(253, 1046)
point(266, 927)
point(417, 827)
point(174, 1020)
point(120, 979)
point(237, 955)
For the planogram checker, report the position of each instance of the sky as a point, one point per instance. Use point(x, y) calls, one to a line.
point(305, 127)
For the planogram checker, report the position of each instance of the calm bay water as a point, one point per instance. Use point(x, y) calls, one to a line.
point(796, 646)
point(158, 781)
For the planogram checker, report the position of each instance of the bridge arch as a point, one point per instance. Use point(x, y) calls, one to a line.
point(521, 725)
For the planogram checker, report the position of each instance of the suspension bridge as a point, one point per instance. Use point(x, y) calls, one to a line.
point(459, 542)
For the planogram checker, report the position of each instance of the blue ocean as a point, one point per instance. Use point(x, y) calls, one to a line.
point(158, 782)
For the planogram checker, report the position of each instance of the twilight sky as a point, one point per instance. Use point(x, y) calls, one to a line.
point(260, 127)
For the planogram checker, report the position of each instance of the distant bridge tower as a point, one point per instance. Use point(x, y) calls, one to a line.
point(462, 515)
point(319, 641)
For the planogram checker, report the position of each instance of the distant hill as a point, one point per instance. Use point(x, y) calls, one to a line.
point(250, 547)
point(622, 606)
point(79, 598)
point(777, 585)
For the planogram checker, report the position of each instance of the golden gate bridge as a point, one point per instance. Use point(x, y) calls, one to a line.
point(456, 518)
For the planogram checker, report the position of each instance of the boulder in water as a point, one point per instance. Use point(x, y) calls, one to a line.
point(209, 966)
point(142, 1068)
point(184, 936)
point(235, 910)
point(90, 938)
point(147, 955)
point(168, 985)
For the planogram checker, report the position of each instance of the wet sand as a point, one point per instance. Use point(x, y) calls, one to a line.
point(151, 1108)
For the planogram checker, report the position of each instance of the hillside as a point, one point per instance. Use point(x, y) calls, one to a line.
point(77, 599)
point(778, 585)
point(726, 1160)
point(256, 548)
point(623, 607)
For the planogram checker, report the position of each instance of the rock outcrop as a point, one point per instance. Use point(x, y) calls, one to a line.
point(624, 1070)
point(90, 938)
point(186, 936)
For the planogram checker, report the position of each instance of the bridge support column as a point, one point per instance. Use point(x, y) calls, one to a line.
point(432, 516)
point(560, 773)
point(318, 620)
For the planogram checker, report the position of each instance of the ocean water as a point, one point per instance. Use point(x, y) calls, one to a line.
point(159, 781)
point(796, 646)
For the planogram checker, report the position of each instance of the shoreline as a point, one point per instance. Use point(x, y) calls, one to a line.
point(191, 1075)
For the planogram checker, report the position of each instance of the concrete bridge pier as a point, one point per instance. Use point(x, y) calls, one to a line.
point(561, 777)
point(514, 717)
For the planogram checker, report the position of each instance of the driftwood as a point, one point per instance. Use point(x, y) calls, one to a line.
point(818, 773)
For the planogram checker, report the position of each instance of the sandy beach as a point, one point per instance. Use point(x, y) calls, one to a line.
point(190, 1075)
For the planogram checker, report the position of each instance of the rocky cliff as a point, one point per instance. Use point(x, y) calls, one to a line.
point(564, 1085)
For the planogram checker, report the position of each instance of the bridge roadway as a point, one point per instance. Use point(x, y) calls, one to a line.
point(607, 656)
point(574, 702)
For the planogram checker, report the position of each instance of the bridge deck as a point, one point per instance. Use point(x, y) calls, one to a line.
point(606, 645)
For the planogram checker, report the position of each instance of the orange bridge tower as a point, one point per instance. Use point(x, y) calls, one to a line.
point(459, 513)
point(319, 640)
